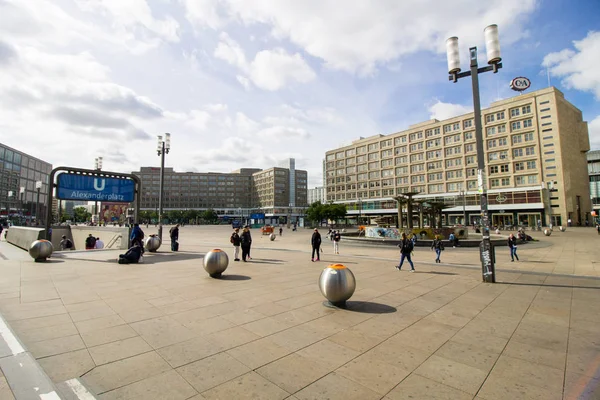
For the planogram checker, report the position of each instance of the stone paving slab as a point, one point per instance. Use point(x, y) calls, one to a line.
point(164, 329)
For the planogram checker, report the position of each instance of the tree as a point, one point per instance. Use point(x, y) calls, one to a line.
point(209, 216)
point(334, 212)
point(80, 214)
point(315, 212)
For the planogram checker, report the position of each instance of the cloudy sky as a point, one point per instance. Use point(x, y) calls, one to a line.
point(250, 83)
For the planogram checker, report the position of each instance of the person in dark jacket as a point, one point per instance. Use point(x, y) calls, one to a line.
point(438, 246)
point(174, 233)
point(90, 242)
point(246, 242)
point(406, 247)
point(236, 241)
point(250, 245)
point(137, 236)
point(315, 240)
point(512, 245)
point(132, 256)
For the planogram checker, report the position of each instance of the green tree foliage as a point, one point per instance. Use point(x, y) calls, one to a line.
point(80, 214)
point(318, 212)
point(315, 212)
point(209, 216)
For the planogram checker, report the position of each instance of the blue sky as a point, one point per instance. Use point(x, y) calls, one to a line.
point(251, 83)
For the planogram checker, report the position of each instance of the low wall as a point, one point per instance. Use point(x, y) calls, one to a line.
point(114, 237)
point(22, 236)
point(422, 233)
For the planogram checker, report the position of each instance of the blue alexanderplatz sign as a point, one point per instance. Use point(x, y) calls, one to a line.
point(94, 188)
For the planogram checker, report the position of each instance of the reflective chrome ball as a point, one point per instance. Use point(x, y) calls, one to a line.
point(337, 284)
point(562, 228)
point(153, 243)
point(215, 262)
point(272, 237)
point(40, 250)
point(547, 232)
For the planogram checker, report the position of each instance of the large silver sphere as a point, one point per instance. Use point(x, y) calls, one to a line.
point(547, 232)
point(215, 262)
point(153, 243)
point(337, 284)
point(562, 228)
point(40, 250)
point(272, 237)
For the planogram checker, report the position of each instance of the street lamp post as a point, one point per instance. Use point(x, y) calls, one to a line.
point(493, 55)
point(359, 211)
point(163, 148)
point(38, 187)
point(464, 201)
point(21, 195)
point(98, 167)
point(10, 195)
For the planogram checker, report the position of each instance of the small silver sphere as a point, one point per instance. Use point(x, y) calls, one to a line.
point(40, 250)
point(272, 237)
point(153, 243)
point(215, 262)
point(337, 284)
point(562, 228)
point(547, 232)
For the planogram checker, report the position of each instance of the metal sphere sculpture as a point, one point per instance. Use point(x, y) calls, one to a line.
point(562, 228)
point(153, 243)
point(40, 250)
point(547, 232)
point(337, 284)
point(215, 262)
point(272, 237)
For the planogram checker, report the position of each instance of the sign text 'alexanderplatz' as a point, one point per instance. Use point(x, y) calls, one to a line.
point(94, 188)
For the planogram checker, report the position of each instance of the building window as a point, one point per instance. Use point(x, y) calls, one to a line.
point(545, 109)
point(504, 168)
point(471, 184)
point(545, 102)
point(517, 139)
point(552, 167)
point(468, 123)
point(532, 179)
point(501, 128)
point(518, 152)
point(531, 165)
point(416, 146)
point(400, 150)
point(505, 181)
point(456, 126)
point(385, 143)
point(470, 160)
point(469, 147)
point(494, 169)
point(515, 112)
point(447, 128)
point(547, 130)
point(373, 156)
point(549, 175)
point(502, 142)
point(550, 160)
point(468, 136)
point(549, 145)
point(526, 110)
point(436, 188)
point(495, 182)
point(489, 118)
point(530, 151)
point(527, 123)
point(547, 137)
point(500, 115)
point(416, 157)
point(519, 166)
point(549, 152)
point(547, 116)
point(529, 137)
point(471, 172)
point(516, 125)
point(490, 130)
point(492, 143)
point(519, 180)
point(373, 146)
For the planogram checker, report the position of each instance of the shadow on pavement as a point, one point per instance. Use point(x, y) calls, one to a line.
point(368, 307)
point(440, 273)
point(549, 285)
point(234, 278)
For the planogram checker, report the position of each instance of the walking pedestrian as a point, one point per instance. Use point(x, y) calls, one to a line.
point(438, 246)
point(174, 234)
point(90, 242)
point(406, 247)
point(512, 245)
point(280, 231)
point(336, 242)
point(245, 242)
point(250, 244)
point(235, 240)
point(452, 239)
point(315, 241)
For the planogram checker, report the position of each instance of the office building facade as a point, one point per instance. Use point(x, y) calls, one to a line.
point(20, 176)
point(278, 193)
point(593, 159)
point(316, 194)
point(535, 149)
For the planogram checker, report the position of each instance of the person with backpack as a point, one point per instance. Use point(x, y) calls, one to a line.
point(406, 247)
point(174, 234)
point(236, 241)
point(438, 246)
point(90, 242)
point(512, 245)
point(245, 242)
point(132, 256)
point(315, 241)
point(452, 240)
point(336, 242)
point(137, 236)
point(66, 244)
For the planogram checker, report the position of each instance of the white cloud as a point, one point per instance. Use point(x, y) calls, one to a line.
point(579, 69)
point(339, 35)
point(440, 110)
point(270, 69)
point(594, 131)
point(281, 133)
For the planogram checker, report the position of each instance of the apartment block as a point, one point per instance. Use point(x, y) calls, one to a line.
point(535, 147)
point(276, 192)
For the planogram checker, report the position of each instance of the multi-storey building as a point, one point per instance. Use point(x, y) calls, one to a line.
point(316, 194)
point(277, 192)
point(593, 159)
point(535, 149)
point(20, 177)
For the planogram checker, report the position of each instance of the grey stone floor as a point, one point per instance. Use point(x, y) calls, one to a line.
point(164, 329)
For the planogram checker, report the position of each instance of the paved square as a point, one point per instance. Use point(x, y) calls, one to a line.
point(164, 329)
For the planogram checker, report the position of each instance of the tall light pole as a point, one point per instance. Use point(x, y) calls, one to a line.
point(493, 55)
point(38, 187)
point(464, 204)
point(21, 194)
point(97, 167)
point(359, 211)
point(163, 147)
point(10, 195)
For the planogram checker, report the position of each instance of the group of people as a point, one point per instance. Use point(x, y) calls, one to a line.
point(243, 240)
point(316, 242)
